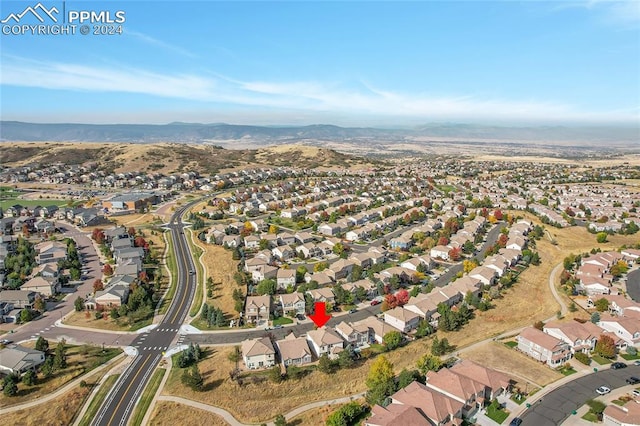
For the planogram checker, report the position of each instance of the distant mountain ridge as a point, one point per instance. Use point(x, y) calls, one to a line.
point(197, 133)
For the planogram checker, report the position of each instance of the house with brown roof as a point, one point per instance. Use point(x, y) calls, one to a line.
point(403, 319)
point(293, 302)
point(258, 353)
point(625, 328)
point(257, 308)
point(323, 294)
point(437, 408)
point(43, 285)
point(377, 328)
point(356, 335)
point(285, 278)
point(580, 337)
point(325, 341)
point(293, 350)
point(626, 415)
point(543, 347)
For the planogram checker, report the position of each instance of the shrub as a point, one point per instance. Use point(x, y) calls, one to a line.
point(583, 358)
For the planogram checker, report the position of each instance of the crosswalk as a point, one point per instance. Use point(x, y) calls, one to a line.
point(153, 348)
point(36, 335)
point(167, 330)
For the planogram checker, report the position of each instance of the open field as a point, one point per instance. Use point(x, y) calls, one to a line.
point(168, 413)
point(147, 396)
point(98, 399)
point(80, 360)
point(315, 416)
point(8, 202)
point(58, 412)
point(496, 355)
point(221, 268)
point(87, 319)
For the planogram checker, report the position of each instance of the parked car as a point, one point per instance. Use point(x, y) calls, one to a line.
point(300, 317)
point(603, 390)
point(277, 326)
point(636, 362)
point(633, 380)
point(517, 421)
point(375, 302)
point(636, 393)
point(353, 311)
point(618, 365)
point(6, 341)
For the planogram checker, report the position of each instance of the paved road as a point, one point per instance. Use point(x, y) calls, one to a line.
point(45, 326)
point(558, 405)
point(633, 284)
point(120, 402)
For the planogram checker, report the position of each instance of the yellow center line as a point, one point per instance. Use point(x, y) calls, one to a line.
point(140, 370)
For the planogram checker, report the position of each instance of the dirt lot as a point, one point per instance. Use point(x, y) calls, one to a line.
point(497, 355)
point(221, 268)
point(168, 413)
point(59, 411)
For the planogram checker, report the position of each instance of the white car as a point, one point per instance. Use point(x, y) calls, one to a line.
point(603, 390)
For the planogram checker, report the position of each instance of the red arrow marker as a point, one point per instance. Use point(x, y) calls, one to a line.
point(320, 317)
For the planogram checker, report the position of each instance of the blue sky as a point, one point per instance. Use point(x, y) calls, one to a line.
point(346, 63)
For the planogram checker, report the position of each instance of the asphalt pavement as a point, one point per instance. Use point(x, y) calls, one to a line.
point(633, 284)
point(556, 406)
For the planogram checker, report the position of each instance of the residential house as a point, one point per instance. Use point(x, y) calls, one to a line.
point(283, 253)
point(356, 335)
point(543, 347)
point(293, 350)
point(325, 341)
point(18, 298)
point(293, 303)
point(285, 278)
point(403, 319)
point(252, 242)
point(16, 359)
point(323, 294)
point(486, 275)
point(627, 329)
point(418, 405)
point(580, 337)
point(440, 252)
point(257, 308)
point(424, 306)
point(258, 353)
point(263, 272)
point(329, 229)
point(377, 328)
point(46, 286)
point(340, 269)
point(625, 415)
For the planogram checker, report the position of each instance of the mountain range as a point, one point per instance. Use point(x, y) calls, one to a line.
point(269, 135)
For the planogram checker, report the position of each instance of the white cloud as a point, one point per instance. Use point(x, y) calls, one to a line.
point(304, 97)
point(623, 14)
point(159, 43)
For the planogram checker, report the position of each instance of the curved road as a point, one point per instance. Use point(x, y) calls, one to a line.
point(633, 284)
point(557, 405)
point(151, 345)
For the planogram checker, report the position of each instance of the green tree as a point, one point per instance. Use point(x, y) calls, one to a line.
point(347, 415)
point(192, 378)
point(280, 420)
point(406, 377)
point(39, 304)
point(275, 374)
point(595, 317)
point(380, 380)
point(300, 273)
point(601, 237)
point(325, 365)
point(29, 378)
point(60, 356)
point(47, 367)
point(268, 286)
point(10, 387)
point(601, 304)
point(78, 304)
point(42, 344)
point(25, 315)
point(424, 329)
point(392, 340)
point(345, 358)
point(429, 362)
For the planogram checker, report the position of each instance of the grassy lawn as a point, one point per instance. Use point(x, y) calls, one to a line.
point(590, 417)
point(282, 321)
point(618, 402)
point(566, 371)
point(196, 252)
point(497, 415)
point(601, 360)
point(173, 271)
point(630, 357)
point(8, 202)
point(97, 400)
point(147, 396)
point(80, 360)
point(518, 401)
point(511, 344)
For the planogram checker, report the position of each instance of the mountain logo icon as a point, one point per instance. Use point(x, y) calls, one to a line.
point(38, 11)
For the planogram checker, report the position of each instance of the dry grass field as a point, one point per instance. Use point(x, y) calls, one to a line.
point(497, 355)
point(77, 363)
point(263, 401)
point(315, 416)
point(81, 319)
point(58, 412)
point(221, 268)
point(168, 413)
